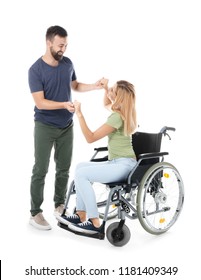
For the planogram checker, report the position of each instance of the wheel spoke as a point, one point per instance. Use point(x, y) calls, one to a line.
point(160, 198)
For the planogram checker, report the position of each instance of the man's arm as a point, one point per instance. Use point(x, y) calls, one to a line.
point(81, 87)
point(45, 104)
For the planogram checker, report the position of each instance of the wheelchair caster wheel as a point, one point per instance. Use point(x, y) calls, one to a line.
point(118, 236)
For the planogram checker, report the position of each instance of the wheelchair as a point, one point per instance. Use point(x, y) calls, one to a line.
point(153, 193)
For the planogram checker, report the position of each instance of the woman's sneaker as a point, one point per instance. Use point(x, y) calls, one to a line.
point(69, 219)
point(85, 227)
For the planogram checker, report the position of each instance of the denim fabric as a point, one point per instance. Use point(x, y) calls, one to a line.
point(87, 173)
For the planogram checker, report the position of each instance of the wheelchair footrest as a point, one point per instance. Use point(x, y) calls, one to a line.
point(98, 235)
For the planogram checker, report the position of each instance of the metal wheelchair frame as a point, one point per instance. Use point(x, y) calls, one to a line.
point(145, 195)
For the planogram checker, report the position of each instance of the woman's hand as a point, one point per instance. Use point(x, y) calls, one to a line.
point(77, 107)
point(104, 83)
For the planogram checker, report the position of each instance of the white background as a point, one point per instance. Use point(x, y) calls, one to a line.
point(153, 44)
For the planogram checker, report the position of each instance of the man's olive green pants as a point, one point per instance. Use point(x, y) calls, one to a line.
point(45, 138)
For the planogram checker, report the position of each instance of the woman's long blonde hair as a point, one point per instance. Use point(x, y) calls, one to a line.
point(124, 104)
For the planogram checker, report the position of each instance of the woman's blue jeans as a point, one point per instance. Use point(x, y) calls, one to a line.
point(87, 173)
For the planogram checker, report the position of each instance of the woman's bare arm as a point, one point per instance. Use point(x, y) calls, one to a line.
point(90, 136)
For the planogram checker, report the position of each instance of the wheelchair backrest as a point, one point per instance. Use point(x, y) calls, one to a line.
point(146, 142)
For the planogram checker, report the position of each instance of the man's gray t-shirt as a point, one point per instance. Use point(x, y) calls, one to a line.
point(55, 82)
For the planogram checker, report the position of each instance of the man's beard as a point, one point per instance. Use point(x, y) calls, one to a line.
point(57, 55)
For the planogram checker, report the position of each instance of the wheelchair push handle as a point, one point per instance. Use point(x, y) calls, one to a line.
point(165, 129)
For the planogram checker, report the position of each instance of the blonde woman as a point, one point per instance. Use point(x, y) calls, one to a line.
point(119, 126)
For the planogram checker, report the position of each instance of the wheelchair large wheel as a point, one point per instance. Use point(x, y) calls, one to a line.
point(160, 198)
point(118, 239)
point(102, 192)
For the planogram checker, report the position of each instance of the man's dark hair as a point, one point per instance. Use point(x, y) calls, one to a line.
point(52, 31)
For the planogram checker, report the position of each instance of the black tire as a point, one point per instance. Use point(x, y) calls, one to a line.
point(123, 237)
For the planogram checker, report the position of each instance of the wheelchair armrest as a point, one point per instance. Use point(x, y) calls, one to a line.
point(101, 149)
point(100, 159)
point(144, 162)
point(97, 150)
point(152, 155)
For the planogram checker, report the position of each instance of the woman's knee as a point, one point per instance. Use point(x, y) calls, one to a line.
point(79, 171)
point(79, 165)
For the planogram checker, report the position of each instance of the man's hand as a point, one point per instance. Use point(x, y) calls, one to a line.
point(69, 106)
point(98, 85)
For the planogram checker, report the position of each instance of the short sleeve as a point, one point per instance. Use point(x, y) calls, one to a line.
point(115, 120)
point(74, 77)
point(35, 81)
